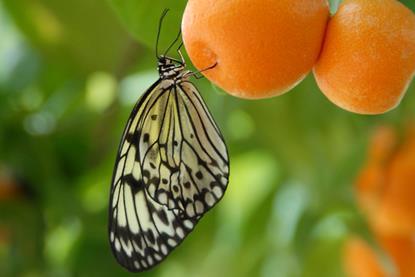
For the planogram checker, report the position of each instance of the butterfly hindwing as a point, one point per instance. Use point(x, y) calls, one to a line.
point(204, 153)
point(189, 165)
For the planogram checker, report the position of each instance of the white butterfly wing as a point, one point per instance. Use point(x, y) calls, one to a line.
point(172, 166)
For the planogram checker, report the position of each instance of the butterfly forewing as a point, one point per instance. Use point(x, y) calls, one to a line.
point(172, 167)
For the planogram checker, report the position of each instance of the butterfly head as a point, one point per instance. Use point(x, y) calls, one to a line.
point(169, 68)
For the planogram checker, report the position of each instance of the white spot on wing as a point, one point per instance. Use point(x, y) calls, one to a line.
point(199, 207)
point(209, 199)
point(150, 260)
point(164, 249)
point(217, 191)
point(188, 224)
point(180, 232)
point(190, 210)
point(172, 242)
point(144, 263)
point(117, 245)
point(162, 197)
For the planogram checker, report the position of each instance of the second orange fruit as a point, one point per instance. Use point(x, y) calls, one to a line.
point(262, 47)
point(368, 58)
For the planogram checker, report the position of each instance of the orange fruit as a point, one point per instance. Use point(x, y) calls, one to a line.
point(368, 57)
point(359, 260)
point(262, 48)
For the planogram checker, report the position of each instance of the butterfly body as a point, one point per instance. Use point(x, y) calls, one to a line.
point(171, 69)
point(172, 167)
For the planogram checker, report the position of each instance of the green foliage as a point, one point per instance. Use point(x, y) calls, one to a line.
point(83, 35)
point(141, 18)
point(69, 76)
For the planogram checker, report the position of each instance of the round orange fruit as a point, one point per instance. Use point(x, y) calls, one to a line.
point(368, 58)
point(261, 48)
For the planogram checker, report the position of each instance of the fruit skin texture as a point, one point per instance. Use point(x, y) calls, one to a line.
point(262, 47)
point(368, 58)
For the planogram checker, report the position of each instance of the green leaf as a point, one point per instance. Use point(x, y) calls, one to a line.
point(409, 3)
point(141, 18)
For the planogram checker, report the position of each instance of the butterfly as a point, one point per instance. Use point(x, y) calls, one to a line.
point(172, 166)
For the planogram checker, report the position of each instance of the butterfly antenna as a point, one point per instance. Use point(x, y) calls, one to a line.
point(163, 15)
point(174, 42)
point(180, 46)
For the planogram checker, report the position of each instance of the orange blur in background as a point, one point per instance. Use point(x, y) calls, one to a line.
point(385, 191)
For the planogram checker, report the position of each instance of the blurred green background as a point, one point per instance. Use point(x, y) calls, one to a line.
point(70, 73)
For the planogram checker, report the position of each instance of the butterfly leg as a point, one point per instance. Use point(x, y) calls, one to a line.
point(197, 73)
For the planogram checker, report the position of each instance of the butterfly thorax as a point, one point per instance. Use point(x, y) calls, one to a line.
point(170, 69)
